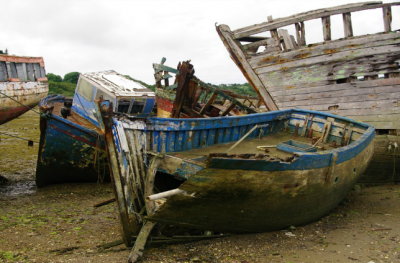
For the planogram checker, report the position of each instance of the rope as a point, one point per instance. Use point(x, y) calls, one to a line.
point(17, 137)
point(19, 102)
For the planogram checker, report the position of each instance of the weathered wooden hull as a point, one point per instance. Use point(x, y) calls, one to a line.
point(355, 76)
point(69, 153)
point(232, 193)
point(230, 199)
point(20, 96)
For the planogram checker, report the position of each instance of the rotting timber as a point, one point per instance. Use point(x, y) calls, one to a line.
point(354, 76)
point(189, 97)
point(23, 83)
point(175, 176)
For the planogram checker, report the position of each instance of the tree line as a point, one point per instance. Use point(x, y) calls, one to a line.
point(66, 86)
point(63, 86)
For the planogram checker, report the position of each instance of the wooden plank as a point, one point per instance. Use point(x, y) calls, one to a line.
point(317, 75)
point(305, 16)
point(379, 93)
point(348, 28)
point(387, 18)
point(326, 49)
point(228, 109)
point(158, 67)
point(241, 61)
point(270, 42)
point(286, 39)
point(371, 55)
point(376, 105)
point(326, 27)
point(209, 102)
point(300, 33)
point(378, 85)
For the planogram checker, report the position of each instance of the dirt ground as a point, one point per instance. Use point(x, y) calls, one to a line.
point(58, 223)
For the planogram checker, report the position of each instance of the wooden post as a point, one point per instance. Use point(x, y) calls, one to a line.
point(387, 18)
point(326, 27)
point(209, 102)
point(300, 34)
point(348, 28)
point(274, 33)
point(230, 107)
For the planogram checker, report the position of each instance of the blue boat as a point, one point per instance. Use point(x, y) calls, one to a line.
point(226, 174)
point(71, 146)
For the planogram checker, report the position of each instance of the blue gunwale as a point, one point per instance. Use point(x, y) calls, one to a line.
point(304, 160)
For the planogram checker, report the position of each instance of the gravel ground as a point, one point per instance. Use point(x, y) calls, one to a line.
point(58, 223)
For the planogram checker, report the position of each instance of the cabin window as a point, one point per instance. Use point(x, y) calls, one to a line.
point(12, 70)
point(29, 68)
point(106, 96)
point(36, 69)
point(3, 71)
point(85, 89)
point(123, 105)
point(138, 106)
point(21, 71)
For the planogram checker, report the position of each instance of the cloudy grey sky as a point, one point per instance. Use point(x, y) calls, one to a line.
point(128, 36)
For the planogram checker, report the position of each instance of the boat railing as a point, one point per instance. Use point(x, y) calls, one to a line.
point(16, 69)
point(281, 40)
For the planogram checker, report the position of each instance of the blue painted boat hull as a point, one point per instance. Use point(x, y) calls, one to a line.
point(68, 154)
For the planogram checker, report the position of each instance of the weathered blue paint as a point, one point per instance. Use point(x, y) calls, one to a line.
point(295, 146)
point(175, 135)
point(67, 153)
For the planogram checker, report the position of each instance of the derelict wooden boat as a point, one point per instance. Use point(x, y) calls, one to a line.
point(226, 188)
point(71, 147)
point(354, 76)
point(23, 83)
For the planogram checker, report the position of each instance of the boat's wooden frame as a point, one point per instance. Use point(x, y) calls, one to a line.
point(355, 76)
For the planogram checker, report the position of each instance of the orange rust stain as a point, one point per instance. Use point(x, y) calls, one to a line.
point(372, 95)
point(330, 51)
point(302, 55)
point(283, 68)
point(290, 87)
point(350, 46)
point(280, 61)
point(268, 59)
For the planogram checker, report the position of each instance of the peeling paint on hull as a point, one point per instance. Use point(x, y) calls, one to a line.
point(25, 93)
point(67, 154)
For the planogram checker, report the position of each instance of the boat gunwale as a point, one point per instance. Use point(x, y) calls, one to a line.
point(305, 16)
point(343, 153)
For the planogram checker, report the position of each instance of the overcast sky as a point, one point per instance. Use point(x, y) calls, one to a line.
point(128, 36)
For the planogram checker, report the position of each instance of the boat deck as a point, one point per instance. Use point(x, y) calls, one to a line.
point(249, 146)
point(74, 117)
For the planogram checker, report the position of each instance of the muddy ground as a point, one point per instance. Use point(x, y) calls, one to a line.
point(59, 223)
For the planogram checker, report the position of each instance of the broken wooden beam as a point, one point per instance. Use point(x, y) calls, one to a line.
point(165, 194)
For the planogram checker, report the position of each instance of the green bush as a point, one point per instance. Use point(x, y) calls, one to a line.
point(62, 88)
point(72, 77)
point(54, 77)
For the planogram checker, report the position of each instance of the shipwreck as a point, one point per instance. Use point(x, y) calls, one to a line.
point(226, 174)
point(23, 83)
point(353, 76)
